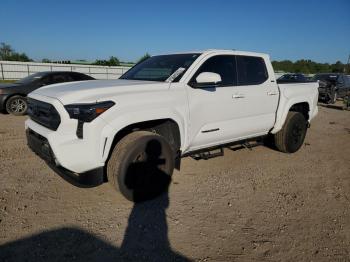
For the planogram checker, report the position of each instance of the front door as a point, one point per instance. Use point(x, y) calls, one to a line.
point(243, 106)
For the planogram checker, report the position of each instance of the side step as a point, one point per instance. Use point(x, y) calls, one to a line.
point(209, 154)
point(219, 151)
point(247, 145)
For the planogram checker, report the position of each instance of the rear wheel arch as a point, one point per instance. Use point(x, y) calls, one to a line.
point(303, 108)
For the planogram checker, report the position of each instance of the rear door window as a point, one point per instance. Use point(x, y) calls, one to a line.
point(251, 70)
point(58, 78)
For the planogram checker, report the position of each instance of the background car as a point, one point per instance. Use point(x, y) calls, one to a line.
point(13, 95)
point(293, 78)
point(332, 86)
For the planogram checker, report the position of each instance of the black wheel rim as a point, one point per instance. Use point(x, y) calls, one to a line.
point(18, 105)
point(147, 172)
point(297, 134)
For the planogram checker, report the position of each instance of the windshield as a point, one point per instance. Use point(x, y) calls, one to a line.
point(30, 78)
point(326, 77)
point(160, 68)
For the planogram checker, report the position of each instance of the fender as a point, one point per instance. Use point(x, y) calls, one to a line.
point(135, 117)
point(282, 112)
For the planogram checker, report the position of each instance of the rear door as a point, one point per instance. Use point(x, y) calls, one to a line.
point(255, 97)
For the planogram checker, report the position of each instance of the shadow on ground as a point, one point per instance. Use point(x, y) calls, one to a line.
point(146, 239)
point(146, 236)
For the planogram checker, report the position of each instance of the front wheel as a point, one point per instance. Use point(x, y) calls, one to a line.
point(17, 105)
point(141, 166)
point(291, 137)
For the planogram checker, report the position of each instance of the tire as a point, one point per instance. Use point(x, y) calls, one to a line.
point(291, 137)
point(141, 166)
point(17, 105)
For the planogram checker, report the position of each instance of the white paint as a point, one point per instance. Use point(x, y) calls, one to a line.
point(235, 112)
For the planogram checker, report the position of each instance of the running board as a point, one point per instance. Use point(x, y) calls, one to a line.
point(219, 151)
point(209, 154)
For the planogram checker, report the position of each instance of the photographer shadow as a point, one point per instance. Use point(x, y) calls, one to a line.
point(145, 238)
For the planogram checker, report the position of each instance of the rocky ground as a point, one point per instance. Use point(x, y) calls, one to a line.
point(250, 205)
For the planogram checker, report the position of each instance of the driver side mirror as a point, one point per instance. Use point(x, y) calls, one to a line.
point(207, 79)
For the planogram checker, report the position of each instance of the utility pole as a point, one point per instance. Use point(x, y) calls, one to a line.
point(348, 65)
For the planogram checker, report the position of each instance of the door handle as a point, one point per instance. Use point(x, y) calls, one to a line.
point(272, 93)
point(238, 96)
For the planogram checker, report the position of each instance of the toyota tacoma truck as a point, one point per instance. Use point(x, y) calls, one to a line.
point(132, 132)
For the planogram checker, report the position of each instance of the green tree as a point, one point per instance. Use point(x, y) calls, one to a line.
point(113, 61)
point(45, 60)
point(7, 53)
point(144, 57)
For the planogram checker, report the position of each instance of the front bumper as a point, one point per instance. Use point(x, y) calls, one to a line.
point(66, 150)
point(40, 146)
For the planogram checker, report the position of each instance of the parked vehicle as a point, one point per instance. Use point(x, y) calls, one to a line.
point(332, 86)
point(293, 78)
point(133, 131)
point(13, 95)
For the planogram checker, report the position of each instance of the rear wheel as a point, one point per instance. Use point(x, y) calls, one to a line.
point(17, 105)
point(141, 166)
point(291, 137)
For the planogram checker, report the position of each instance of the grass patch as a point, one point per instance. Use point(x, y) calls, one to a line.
point(7, 81)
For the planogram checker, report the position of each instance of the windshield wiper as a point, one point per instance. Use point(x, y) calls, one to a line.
point(174, 75)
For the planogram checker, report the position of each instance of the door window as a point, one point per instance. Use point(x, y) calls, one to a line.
point(224, 65)
point(58, 78)
point(251, 70)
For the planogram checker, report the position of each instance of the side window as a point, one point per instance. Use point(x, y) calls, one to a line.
point(46, 80)
point(58, 78)
point(77, 77)
point(224, 65)
point(69, 77)
point(347, 81)
point(340, 80)
point(251, 70)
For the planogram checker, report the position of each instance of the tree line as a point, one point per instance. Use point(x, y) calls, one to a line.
point(310, 67)
point(299, 66)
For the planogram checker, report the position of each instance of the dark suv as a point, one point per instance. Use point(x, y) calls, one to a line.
point(13, 95)
point(332, 86)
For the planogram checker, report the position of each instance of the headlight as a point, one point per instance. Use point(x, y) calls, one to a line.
point(88, 112)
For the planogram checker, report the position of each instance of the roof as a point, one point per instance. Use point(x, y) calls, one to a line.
point(219, 51)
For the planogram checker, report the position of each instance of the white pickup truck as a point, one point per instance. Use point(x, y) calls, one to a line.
point(133, 131)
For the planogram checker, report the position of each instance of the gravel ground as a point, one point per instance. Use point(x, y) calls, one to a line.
point(250, 205)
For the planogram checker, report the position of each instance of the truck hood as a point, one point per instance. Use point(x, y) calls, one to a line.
point(97, 90)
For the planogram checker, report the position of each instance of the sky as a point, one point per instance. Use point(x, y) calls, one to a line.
point(71, 30)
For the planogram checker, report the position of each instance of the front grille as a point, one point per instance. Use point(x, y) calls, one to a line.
point(44, 114)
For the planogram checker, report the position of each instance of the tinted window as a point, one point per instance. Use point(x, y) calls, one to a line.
point(54, 79)
point(347, 81)
point(251, 70)
point(160, 68)
point(31, 78)
point(80, 77)
point(326, 77)
point(224, 65)
point(341, 79)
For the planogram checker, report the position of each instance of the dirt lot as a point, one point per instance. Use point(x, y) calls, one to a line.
point(258, 205)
